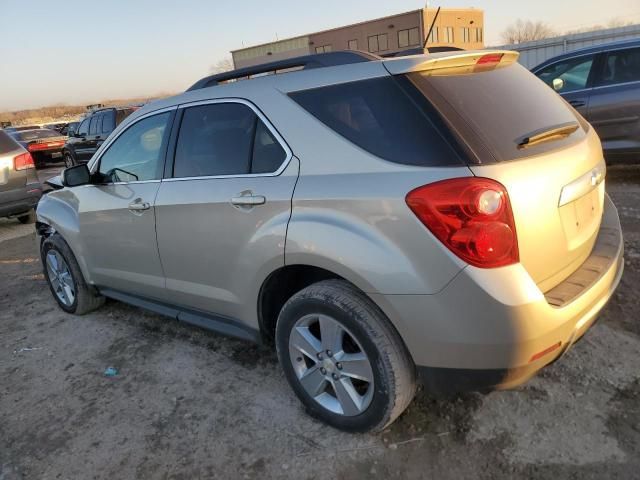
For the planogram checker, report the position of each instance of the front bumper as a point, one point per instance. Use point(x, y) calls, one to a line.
point(486, 329)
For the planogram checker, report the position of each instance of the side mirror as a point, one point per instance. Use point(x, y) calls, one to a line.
point(76, 175)
point(558, 84)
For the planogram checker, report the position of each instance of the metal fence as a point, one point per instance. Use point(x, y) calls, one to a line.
point(534, 53)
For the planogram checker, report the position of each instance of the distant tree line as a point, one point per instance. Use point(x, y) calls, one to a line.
point(61, 112)
point(527, 30)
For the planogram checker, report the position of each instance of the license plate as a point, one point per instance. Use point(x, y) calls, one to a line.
point(56, 155)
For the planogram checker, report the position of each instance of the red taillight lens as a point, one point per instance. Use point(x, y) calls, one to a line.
point(23, 161)
point(34, 147)
point(471, 216)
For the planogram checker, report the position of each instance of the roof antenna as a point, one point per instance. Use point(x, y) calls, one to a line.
point(431, 27)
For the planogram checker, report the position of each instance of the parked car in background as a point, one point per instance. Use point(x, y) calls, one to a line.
point(44, 145)
point(20, 189)
point(603, 84)
point(92, 131)
point(55, 126)
point(69, 129)
point(367, 217)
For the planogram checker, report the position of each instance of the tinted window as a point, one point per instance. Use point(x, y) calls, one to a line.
point(622, 66)
point(137, 153)
point(569, 75)
point(83, 129)
point(268, 154)
point(379, 117)
point(215, 139)
point(501, 106)
point(93, 125)
point(108, 121)
point(7, 144)
point(28, 135)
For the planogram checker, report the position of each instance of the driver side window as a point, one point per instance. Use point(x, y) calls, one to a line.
point(137, 154)
point(569, 75)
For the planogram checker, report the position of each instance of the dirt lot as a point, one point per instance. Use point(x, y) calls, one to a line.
point(187, 403)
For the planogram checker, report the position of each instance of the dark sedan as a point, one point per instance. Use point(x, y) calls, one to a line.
point(43, 144)
point(603, 84)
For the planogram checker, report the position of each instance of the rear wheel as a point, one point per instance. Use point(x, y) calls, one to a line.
point(343, 358)
point(65, 278)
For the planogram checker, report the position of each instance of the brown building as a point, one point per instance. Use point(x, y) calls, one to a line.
point(457, 27)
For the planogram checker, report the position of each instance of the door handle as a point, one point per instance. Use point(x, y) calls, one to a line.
point(248, 200)
point(139, 206)
point(577, 103)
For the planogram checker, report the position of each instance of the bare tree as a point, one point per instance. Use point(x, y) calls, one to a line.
point(221, 66)
point(526, 31)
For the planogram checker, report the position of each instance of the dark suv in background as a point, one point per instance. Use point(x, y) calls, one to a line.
point(603, 84)
point(92, 131)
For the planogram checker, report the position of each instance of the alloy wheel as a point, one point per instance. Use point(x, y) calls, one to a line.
point(60, 277)
point(331, 365)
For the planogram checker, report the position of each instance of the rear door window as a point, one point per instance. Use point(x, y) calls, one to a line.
point(381, 118)
point(622, 66)
point(225, 139)
point(568, 75)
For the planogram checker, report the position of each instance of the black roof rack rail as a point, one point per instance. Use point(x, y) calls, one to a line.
point(329, 59)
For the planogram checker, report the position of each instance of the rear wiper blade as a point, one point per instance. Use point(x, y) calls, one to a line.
point(547, 134)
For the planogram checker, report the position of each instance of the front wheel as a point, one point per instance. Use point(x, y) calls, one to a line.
point(65, 279)
point(343, 358)
point(69, 161)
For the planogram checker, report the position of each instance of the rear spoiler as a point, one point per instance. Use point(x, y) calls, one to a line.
point(452, 63)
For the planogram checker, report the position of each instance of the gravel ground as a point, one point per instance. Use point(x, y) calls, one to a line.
point(187, 403)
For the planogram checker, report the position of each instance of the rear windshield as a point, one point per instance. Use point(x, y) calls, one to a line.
point(381, 118)
point(502, 107)
point(7, 144)
point(29, 135)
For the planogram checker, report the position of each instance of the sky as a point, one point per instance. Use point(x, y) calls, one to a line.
point(79, 52)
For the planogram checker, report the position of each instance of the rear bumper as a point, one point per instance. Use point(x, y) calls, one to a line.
point(489, 327)
point(20, 200)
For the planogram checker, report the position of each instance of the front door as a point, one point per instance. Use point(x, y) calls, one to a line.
point(117, 212)
point(572, 79)
point(222, 218)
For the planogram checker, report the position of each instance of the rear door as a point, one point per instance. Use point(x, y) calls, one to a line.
point(222, 217)
point(573, 79)
point(550, 161)
point(95, 125)
point(107, 125)
point(614, 109)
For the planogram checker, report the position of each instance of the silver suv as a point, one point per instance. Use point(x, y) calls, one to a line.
point(440, 218)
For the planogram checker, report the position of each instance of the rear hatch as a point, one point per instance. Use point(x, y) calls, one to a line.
point(520, 133)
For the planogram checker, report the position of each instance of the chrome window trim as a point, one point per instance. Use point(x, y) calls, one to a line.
point(94, 162)
point(261, 116)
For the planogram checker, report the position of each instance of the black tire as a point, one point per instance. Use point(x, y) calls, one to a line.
point(28, 218)
point(392, 367)
point(86, 297)
point(69, 159)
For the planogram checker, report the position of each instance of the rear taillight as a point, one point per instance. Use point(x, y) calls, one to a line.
point(471, 216)
point(23, 161)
